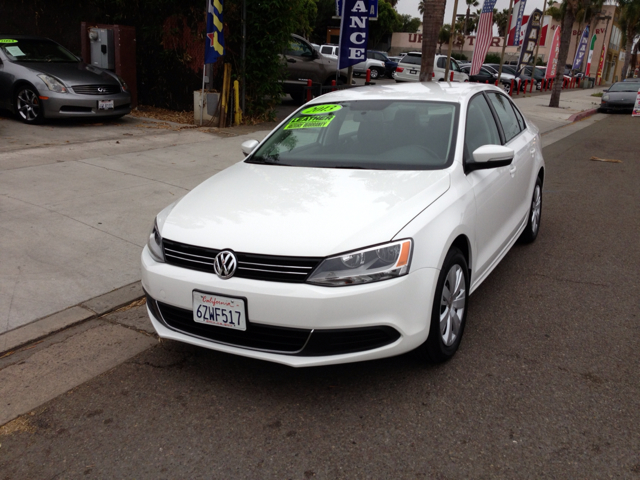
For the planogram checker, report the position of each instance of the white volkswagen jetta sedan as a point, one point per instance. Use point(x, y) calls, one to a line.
point(355, 230)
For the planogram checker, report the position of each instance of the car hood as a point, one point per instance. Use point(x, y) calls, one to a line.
point(296, 211)
point(74, 73)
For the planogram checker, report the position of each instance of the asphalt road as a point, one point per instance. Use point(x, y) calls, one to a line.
point(545, 384)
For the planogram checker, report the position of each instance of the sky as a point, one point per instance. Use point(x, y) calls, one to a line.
point(411, 7)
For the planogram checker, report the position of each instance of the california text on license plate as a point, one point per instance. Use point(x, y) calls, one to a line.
point(105, 104)
point(413, 71)
point(219, 310)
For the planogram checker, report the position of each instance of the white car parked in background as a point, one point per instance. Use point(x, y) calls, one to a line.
point(376, 66)
point(355, 230)
point(408, 69)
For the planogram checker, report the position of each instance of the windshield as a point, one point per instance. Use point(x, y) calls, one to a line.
point(624, 87)
point(37, 50)
point(371, 134)
point(412, 59)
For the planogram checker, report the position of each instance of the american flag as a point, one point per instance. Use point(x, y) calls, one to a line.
point(483, 37)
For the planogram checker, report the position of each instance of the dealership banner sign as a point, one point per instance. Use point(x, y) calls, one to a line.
point(636, 107)
point(354, 33)
point(582, 49)
point(515, 22)
point(214, 45)
point(531, 37)
point(552, 64)
point(373, 9)
point(593, 45)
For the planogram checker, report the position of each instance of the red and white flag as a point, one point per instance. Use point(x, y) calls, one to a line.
point(483, 37)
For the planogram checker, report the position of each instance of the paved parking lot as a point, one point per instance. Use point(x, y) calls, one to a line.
point(545, 384)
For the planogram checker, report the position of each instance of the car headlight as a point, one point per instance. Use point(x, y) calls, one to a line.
point(53, 84)
point(123, 84)
point(154, 243)
point(372, 264)
point(605, 98)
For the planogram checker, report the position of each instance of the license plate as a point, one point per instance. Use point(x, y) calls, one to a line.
point(105, 104)
point(413, 71)
point(219, 310)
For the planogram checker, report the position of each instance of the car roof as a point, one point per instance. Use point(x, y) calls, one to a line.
point(456, 92)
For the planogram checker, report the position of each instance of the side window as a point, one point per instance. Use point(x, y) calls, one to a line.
point(481, 128)
point(370, 55)
point(507, 116)
point(441, 62)
point(298, 49)
point(523, 124)
point(454, 66)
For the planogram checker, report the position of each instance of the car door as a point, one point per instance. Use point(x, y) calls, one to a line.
point(492, 187)
point(300, 59)
point(520, 139)
point(6, 82)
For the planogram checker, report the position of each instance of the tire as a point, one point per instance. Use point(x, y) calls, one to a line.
point(375, 73)
point(530, 232)
point(507, 88)
point(298, 96)
point(445, 331)
point(27, 105)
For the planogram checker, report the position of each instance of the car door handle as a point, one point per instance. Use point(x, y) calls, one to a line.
point(533, 151)
point(512, 170)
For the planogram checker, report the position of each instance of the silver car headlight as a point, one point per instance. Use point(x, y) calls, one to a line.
point(372, 264)
point(605, 98)
point(53, 84)
point(154, 243)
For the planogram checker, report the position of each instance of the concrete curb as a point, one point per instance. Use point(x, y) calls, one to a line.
point(582, 115)
point(82, 312)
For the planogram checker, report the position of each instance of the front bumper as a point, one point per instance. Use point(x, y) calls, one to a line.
point(401, 305)
point(617, 105)
point(72, 105)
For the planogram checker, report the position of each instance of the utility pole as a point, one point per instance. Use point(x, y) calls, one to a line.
point(535, 57)
point(504, 43)
point(451, 32)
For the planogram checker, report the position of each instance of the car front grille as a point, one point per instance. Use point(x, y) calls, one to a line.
point(283, 340)
point(270, 268)
point(96, 89)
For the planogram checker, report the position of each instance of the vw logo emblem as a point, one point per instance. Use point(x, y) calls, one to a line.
point(225, 264)
point(102, 90)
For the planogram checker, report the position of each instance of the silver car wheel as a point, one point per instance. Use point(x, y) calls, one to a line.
point(536, 207)
point(28, 105)
point(452, 305)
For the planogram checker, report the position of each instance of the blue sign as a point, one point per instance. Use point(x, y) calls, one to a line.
point(582, 49)
point(214, 45)
point(373, 9)
point(354, 33)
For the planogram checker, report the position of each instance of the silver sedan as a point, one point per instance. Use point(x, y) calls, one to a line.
point(40, 79)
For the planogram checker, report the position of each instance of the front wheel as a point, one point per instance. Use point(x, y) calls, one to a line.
point(375, 73)
point(530, 232)
point(28, 105)
point(449, 311)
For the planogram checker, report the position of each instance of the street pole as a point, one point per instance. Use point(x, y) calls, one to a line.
point(244, 48)
point(535, 57)
point(504, 44)
point(451, 33)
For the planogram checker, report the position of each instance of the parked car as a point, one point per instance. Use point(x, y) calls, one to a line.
point(389, 65)
point(408, 70)
point(40, 79)
point(505, 77)
point(355, 230)
point(303, 63)
point(619, 96)
point(634, 80)
point(525, 75)
point(376, 67)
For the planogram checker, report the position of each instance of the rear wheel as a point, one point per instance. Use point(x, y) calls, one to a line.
point(449, 311)
point(530, 232)
point(28, 105)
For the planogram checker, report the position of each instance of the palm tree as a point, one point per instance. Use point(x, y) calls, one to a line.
point(501, 19)
point(571, 9)
point(630, 24)
point(432, 19)
point(470, 3)
point(443, 37)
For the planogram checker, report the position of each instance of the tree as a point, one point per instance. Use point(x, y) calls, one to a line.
point(408, 24)
point(501, 19)
point(443, 37)
point(388, 22)
point(630, 25)
point(470, 3)
point(571, 8)
point(432, 20)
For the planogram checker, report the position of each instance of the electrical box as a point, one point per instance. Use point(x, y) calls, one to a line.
point(102, 48)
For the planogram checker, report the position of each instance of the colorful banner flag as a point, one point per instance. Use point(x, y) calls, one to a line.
point(354, 33)
point(593, 45)
point(373, 9)
point(214, 45)
point(515, 22)
point(600, 66)
point(543, 32)
point(636, 107)
point(552, 64)
point(530, 40)
point(582, 49)
point(484, 37)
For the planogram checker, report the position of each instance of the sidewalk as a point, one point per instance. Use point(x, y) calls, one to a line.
point(76, 214)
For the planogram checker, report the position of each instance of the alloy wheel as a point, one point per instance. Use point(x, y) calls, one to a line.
point(28, 105)
point(452, 305)
point(536, 206)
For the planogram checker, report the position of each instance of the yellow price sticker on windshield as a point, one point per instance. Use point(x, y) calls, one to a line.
point(7, 40)
point(309, 122)
point(320, 109)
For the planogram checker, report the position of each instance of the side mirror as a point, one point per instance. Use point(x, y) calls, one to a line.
point(490, 156)
point(249, 146)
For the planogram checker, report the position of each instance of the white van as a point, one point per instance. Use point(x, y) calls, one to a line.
point(408, 69)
